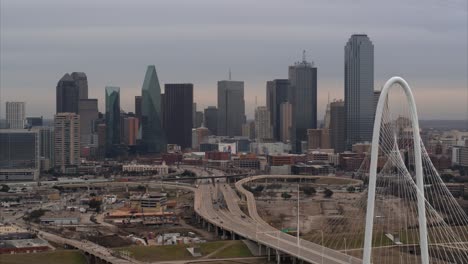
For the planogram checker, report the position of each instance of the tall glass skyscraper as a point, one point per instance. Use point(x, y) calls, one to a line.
point(67, 95)
point(81, 81)
point(231, 108)
point(153, 136)
point(89, 113)
point(112, 118)
point(46, 147)
point(211, 119)
point(138, 106)
point(337, 126)
point(277, 93)
point(178, 113)
point(303, 97)
point(359, 89)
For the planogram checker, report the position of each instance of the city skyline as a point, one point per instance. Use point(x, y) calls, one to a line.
point(242, 49)
point(264, 131)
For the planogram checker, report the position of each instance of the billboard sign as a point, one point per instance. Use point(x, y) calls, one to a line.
point(227, 147)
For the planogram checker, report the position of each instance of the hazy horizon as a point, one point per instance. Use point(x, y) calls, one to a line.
point(198, 42)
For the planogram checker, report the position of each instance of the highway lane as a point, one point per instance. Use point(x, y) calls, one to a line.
point(249, 228)
point(267, 230)
point(86, 246)
point(255, 228)
point(252, 227)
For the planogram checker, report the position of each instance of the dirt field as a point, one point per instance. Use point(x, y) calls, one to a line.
point(338, 221)
point(315, 210)
point(184, 210)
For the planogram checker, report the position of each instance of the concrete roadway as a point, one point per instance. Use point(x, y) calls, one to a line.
point(304, 244)
point(234, 220)
point(206, 204)
point(86, 246)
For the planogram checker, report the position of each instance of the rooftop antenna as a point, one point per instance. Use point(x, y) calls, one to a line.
point(255, 102)
point(229, 73)
point(303, 56)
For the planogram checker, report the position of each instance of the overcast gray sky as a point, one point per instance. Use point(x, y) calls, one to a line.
point(197, 41)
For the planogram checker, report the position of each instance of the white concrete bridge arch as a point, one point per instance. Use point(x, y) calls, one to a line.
point(418, 169)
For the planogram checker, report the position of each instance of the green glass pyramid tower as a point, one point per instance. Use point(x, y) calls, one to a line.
point(152, 132)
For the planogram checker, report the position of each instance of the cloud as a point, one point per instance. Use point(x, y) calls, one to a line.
point(197, 41)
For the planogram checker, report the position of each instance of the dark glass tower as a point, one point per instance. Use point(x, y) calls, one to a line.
point(359, 89)
point(179, 113)
point(112, 118)
point(138, 107)
point(231, 108)
point(211, 119)
point(153, 136)
point(88, 115)
point(303, 97)
point(67, 95)
point(277, 93)
point(81, 81)
point(337, 126)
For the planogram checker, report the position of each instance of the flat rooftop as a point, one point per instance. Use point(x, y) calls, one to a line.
point(8, 229)
point(23, 243)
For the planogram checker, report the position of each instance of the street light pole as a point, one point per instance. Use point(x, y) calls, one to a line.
point(256, 231)
point(345, 245)
point(277, 239)
point(298, 215)
point(322, 245)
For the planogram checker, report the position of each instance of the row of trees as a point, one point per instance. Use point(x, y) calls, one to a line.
point(307, 190)
point(310, 191)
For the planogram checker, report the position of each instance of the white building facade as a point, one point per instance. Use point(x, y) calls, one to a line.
point(263, 129)
point(15, 115)
point(66, 140)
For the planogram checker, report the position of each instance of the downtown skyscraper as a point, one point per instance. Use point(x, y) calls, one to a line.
point(152, 132)
point(112, 119)
point(303, 98)
point(67, 95)
point(263, 129)
point(285, 123)
point(231, 108)
point(46, 147)
point(211, 119)
point(70, 89)
point(359, 89)
point(337, 126)
point(19, 155)
point(89, 113)
point(66, 141)
point(138, 106)
point(277, 93)
point(178, 113)
point(81, 80)
point(15, 114)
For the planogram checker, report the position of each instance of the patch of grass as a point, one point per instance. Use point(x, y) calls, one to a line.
point(237, 250)
point(179, 252)
point(210, 247)
point(158, 253)
point(337, 241)
point(59, 256)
